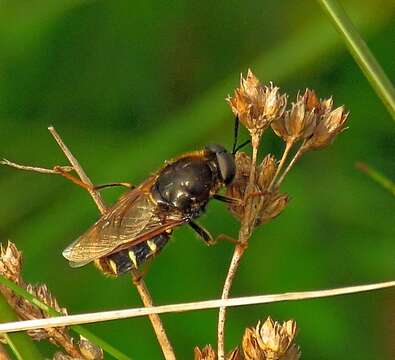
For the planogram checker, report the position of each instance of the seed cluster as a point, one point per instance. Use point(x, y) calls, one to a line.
point(10, 268)
point(269, 340)
point(310, 123)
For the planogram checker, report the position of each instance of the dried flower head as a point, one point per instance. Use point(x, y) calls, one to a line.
point(89, 350)
point(255, 105)
point(61, 356)
point(298, 122)
point(207, 353)
point(10, 262)
point(271, 340)
point(330, 124)
point(10, 267)
point(267, 204)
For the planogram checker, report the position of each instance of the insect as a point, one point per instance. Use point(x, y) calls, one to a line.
point(140, 223)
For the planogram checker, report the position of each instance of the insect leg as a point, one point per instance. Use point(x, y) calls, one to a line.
point(104, 186)
point(230, 239)
point(227, 199)
point(203, 233)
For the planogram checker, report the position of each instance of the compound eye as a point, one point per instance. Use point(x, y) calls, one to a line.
point(215, 148)
point(227, 166)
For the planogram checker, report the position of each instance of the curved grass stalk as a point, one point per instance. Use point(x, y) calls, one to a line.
point(361, 53)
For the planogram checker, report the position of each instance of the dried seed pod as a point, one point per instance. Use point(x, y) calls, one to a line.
point(251, 348)
point(255, 105)
point(238, 187)
point(207, 353)
point(61, 356)
point(89, 350)
point(330, 124)
point(235, 354)
point(298, 122)
point(271, 340)
point(10, 267)
point(274, 204)
point(10, 262)
point(266, 172)
point(267, 204)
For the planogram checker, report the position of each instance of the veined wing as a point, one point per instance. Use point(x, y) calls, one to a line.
point(134, 218)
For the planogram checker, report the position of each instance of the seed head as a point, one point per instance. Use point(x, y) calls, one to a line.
point(255, 105)
point(330, 124)
point(271, 340)
point(89, 350)
point(273, 205)
point(207, 353)
point(267, 204)
point(10, 262)
point(298, 122)
point(10, 267)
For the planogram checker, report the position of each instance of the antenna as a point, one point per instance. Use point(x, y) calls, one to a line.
point(236, 134)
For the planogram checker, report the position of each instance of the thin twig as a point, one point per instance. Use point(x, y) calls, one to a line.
point(294, 160)
point(139, 283)
point(246, 227)
point(57, 170)
point(288, 147)
point(191, 306)
point(79, 170)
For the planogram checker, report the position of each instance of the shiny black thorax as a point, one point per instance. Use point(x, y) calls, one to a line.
point(187, 184)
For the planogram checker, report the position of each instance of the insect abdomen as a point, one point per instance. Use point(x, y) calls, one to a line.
point(133, 257)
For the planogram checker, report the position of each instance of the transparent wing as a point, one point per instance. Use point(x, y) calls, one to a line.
point(134, 218)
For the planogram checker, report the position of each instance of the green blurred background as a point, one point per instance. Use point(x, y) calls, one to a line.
point(130, 84)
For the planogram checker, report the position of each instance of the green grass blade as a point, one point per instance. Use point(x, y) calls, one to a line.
point(377, 177)
point(78, 329)
point(361, 53)
point(21, 344)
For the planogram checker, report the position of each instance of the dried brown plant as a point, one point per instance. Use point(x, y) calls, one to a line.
point(11, 268)
point(269, 340)
point(310, 122)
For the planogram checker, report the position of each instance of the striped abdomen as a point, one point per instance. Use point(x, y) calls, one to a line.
point(133, 257)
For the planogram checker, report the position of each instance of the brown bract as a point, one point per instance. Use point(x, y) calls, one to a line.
point(207, 353)
point(267, 204)
point(329, 125)
point(255, 105)
point(270, 341)
point(298, 122)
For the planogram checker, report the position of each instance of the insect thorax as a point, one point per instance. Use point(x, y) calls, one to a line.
point(187, 184)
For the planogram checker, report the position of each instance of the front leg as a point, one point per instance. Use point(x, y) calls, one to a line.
point(202, 233)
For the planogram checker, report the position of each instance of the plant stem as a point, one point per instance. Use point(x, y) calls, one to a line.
point(246, 227)
point(297, 156)
point(72, 320)
point(361, 53)
point(142, 289)
point(377, 177)
point(13, 347)
point(287, 149)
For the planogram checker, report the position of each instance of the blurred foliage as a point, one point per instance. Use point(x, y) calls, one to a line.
point(130, 84)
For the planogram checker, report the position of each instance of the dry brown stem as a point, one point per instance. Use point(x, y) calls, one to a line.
point(247, 225)
point(139, 283)
point(192, 306)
